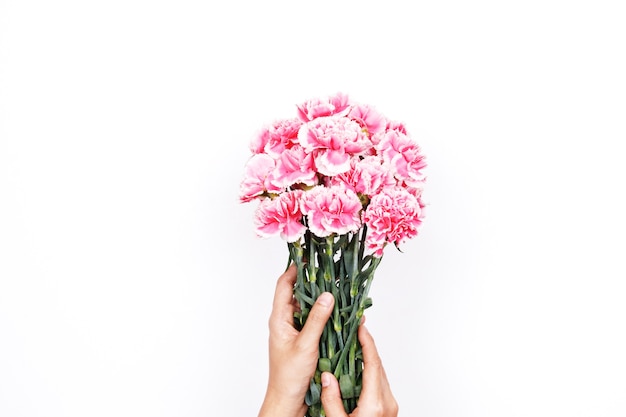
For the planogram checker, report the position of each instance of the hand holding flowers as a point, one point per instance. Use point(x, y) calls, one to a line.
point(293, 360)
point(293, 353)
point(339, 183)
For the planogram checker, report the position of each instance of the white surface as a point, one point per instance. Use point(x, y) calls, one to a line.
point(131, 283)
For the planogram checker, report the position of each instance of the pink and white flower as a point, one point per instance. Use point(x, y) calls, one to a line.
point(339, 183)
point(295, 166)
point(391, 126)
point(281, 216)
point(403, 156)
point(275, 138)
point(333, 141)
point(260, 139)
point(259, 178)
point(321, 107)
point(366, 176)
point(333, 209)
point(394, 216)
point(336, 166)
point(397, 126)
point(369, 118)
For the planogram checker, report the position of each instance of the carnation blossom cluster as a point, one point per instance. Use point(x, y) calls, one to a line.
point(338, 181)
point(335, 167)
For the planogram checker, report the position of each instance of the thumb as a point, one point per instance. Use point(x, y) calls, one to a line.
point(331, 396)
point(314, 326)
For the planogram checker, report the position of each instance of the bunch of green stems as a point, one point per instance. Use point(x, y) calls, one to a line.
point(336, 264)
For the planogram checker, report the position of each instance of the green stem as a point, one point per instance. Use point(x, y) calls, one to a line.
point(344, 352)
point(349, 279)
point(329, 270)
point(356, 254)
point(296, 255)
point(357, 312)
point(362, 245)
point(310, 245)
point(339, 299)
point(335, 343)
point(352, 358)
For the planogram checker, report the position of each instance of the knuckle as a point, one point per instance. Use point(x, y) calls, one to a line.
point(329, 399)
point(319, 314)
point(305, 348)
point(378, 409)
point(315, 316)
point(393, 408)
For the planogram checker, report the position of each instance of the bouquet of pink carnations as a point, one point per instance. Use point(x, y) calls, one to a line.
point(338, 182)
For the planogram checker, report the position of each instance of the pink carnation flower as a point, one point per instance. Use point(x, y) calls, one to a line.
point(369, 118)
point(295, 166)
point(333, 209)
point(258, 142)
point(404, 156)
point(391, 126)
point(394, 215)
point(397, 126)
point(366, 176)
point(281, 216)
point(321, 107)
point(333, 141)
point(259, 178)
point(277, 137)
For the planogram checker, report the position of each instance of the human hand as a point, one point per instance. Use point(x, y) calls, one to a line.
point(376, 399)
point(293, 354)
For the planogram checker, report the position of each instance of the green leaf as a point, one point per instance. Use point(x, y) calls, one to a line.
point(347, 385)
point(324, 365)
point(313, 395)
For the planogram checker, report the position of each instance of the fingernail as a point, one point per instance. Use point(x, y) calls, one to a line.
point(325, 299)
point(325, 379)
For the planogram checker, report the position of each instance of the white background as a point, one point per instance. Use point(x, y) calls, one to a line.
point(131, 282)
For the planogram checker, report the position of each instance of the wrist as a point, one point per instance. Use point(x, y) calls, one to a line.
point(276, 404)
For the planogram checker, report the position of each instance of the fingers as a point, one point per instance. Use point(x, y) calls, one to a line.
point(331, 396)
point(284, 307)
point(370, 353)
point(283, 296)
point(376, 394)
point(374, 378)
point(312, 330)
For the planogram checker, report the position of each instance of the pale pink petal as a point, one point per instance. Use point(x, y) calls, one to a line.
point(332, 210)
point(393, 216)
point(333, 141)
point(397, 126)
point(282, 215)
point(257, 171)
point(330, 162)
point(293, 231)
point(369, 118)
point(258, 142)
point(366, 176)
point(282, 135)
point(295, 166)
point(404, 157)
point(321, 107)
